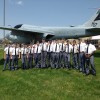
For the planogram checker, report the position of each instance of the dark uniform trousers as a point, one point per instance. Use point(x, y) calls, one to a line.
point(43, 59)
point(90, 61)
point(7, 61)
point(67, 60)
point(61, 59)
point(24, 61)
point(55, 60)
point(14, 63)
point(49, 57)
point(37, 60)
point(30, 61)
point(75, 63)
point(82, 62)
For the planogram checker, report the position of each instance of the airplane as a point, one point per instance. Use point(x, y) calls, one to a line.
point(23, 33)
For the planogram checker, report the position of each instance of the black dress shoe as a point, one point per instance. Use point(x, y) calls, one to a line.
point(3, 70)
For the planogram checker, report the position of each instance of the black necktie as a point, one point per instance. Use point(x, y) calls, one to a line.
point(68, 48)
point(15, 51)
point(43, 47)
point(56, 48)
point(49, 48)
point(87, 48)
point(37, 50)
point(73, 48)
point(30, 50)
point(24, 51)
point(8, 51)
point(62, 47)
point(79, 47)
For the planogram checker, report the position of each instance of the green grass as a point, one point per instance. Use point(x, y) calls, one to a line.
point(49, 84)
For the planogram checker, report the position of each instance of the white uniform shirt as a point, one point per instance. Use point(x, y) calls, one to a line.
point(49, 47)
point(37, 49)
point(75, 47)
point(70, 48)
point(56, 47)
point(62, 46)
point(30, 50)
point(6, 50)
point(17, 51)
point(82, 47)
point(13, 51)
point(44, 46)
point(91, 49)
point(24, 50)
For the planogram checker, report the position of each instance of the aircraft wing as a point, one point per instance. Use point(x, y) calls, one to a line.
point(30, 31)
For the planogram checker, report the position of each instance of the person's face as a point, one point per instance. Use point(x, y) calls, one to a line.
point(80, 41)
point(57, 41)
point(43, 41)
point(74, 42)
point(67, 42)
point(88, 41)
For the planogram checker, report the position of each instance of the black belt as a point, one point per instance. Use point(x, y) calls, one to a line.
point(7, 55)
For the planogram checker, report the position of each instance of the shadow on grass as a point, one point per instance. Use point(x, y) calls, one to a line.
point(1, 61)
point(97, 54)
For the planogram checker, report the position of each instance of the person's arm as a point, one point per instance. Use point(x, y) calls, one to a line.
point(91, 54)
point(4, 55)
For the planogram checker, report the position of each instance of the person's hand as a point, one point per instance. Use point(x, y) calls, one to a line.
point(11, 57)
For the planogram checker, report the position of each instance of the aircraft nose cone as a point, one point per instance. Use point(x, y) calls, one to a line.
point(7, 35)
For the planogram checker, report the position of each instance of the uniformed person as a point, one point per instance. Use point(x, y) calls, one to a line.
point(89, 57)
point(14, 53)
point(49, 53)
point(74, 55)
point(43, 53)
point(7, 57)
point(24, 56)
point(17, 55)
point(30, 56)
point(37, 54)
point(61, 54)
point(56, 50)
point(68, 50)
point(81, 55)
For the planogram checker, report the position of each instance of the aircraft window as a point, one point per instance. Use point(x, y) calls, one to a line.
point(18, 26)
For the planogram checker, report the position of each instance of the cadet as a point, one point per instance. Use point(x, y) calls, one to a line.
point(13, 56)
point(81, 51)
point(49, 53)
point(30, 56)
point(7, 57)
point(68, 50)
point(61, 55)
point(74, 56)
point(43, 54)
point(89, 57)
point(56, 50)
point(37, 54)
point(17, 55)
point(24, 56)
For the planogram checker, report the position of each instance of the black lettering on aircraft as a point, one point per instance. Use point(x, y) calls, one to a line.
point(94, 24)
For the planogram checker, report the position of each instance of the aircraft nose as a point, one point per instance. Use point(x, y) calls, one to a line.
point(7, 35)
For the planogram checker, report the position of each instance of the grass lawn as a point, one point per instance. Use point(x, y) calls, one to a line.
point(49, 84)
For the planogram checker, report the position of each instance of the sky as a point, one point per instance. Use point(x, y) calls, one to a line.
point(48, 12)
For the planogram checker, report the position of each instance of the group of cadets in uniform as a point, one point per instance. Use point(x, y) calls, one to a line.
point(54, 54)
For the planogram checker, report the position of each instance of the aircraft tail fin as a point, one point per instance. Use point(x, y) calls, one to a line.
point(94, 21)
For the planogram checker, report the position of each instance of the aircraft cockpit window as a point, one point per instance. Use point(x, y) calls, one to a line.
point(18, 26)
